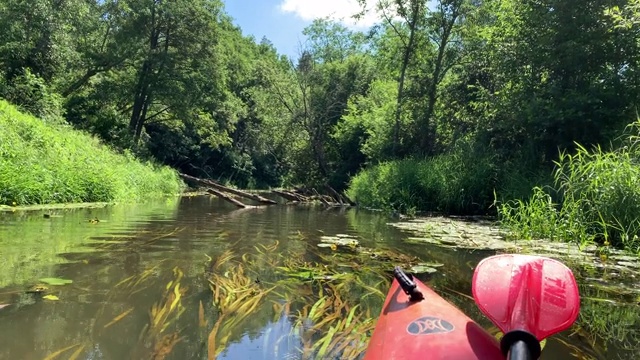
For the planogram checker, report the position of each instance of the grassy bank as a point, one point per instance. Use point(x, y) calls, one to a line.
point(592, 196)
point(453, 183)
point(44, 163)
point(595, 198)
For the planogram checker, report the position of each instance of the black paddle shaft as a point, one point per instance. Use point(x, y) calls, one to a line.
point(520, 345)
point(407, 284)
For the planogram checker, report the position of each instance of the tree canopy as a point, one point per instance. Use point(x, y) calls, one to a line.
point(177, 81)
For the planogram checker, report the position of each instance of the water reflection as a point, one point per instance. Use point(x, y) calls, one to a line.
point(122, 266)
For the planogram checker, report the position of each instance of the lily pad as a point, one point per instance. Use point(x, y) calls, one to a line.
point(55, 281)
point(325, 245)
point(432, 264)
point(423, 269)
point(339, 240)
point(346, 236)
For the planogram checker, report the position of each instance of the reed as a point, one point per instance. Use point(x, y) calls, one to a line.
point(597, 198)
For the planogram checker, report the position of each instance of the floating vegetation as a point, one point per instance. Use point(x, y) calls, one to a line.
point(160, 335)
point(37, 289)
point(55, 281)
point(73, 356)
point(86, 205)
point(425, 268)
point(340, 241)
point(308, 310)
point(346, 252)
point(332, 328)
point(455, 233)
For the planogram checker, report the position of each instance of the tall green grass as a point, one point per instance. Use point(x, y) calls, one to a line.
point(460, 182)
point(43, 163)
point(598, 198)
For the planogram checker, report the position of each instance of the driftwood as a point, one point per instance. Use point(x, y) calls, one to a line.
point(302, 195)
point(291, 196)
point(341, 198)
point(335, 195)
point(286, 194)
point(321, 197)
point(228, 198)
point(219, 187)
point(311, 194)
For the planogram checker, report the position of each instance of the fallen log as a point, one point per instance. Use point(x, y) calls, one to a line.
point(291, 196)
point(321, 198)
point(336, 195)
point(285, 194)
point(228, 198)
point(240, 193)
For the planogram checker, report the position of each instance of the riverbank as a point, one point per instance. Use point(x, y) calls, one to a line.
point(47, 163)
point(591, 198)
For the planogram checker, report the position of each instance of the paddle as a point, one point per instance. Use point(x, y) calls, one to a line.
point(528, 297)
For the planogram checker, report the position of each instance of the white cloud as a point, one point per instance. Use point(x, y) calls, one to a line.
point(338, 10)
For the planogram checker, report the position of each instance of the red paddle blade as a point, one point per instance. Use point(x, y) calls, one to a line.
point(523, 292)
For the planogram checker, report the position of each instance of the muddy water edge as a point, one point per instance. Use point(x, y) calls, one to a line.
point(190, 277)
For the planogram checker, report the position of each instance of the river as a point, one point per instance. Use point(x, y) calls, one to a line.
point(137, 282)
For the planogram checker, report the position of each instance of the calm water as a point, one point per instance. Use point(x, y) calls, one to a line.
point(120, 267)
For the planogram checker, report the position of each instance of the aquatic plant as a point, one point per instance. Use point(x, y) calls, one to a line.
point(330, 315)
point(235, 297)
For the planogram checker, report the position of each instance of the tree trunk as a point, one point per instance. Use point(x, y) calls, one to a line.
point(425, 135)
point(413, 24)
point(140, 101)
point(142, 98)
point(79, 83)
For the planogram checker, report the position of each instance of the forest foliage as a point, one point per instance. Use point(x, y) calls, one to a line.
point(502, 85)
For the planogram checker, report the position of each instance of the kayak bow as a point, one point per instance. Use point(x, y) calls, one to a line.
point(416, 323)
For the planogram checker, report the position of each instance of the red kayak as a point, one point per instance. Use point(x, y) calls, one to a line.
point(416, 323)
point(529, 298)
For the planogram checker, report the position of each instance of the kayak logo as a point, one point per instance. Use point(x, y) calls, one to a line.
point(429, 325)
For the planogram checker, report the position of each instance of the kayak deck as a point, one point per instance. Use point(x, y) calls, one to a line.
point(431, 328)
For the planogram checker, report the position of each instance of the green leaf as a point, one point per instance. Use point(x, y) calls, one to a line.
point(56, 281)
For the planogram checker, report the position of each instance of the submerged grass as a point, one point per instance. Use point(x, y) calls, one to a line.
point(43, 163)
point(159, 336)
point(598, 199)
point(318, 311)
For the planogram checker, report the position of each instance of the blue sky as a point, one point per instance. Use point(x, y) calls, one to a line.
point(282, 21)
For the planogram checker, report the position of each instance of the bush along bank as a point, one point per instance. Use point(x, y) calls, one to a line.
point(461, 182)
point(595, 199)
point(44, 163)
